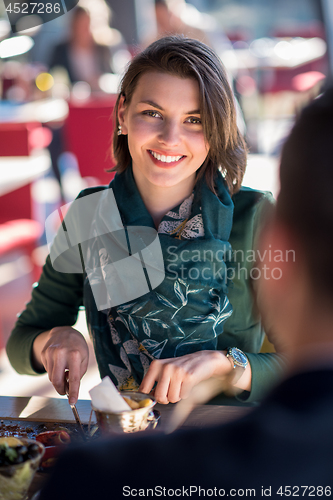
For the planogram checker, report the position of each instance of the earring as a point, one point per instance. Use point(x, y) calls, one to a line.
point(119, 130)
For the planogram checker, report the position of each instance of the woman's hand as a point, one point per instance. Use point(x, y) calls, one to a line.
point(62, 348)
point(176, 377)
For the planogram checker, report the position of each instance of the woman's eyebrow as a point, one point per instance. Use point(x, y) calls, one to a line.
point(152, 103)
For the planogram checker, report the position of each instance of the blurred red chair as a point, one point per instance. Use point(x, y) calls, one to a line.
point(17, 229)
point(88, 134)
point(19, 139)
point(281, 79)
point(20, 234)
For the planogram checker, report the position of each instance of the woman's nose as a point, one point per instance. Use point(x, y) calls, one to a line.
point(170, 134)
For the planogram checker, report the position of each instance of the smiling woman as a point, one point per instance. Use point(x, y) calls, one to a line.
point(180, 160)
point(166, 142)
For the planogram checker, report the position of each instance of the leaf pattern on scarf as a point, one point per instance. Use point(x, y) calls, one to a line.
point(146, 327)
point(133, 326)
point(114, 334)
point(139, 307)
point(223, 312)
point(154, 347)
point(165, 301)
point(179, 293)
point(124, 358)
point(131, 346)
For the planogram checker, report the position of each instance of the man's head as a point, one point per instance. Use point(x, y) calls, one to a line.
point(305, 203)
point(303, 223)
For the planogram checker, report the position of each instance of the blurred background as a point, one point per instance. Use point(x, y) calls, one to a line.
point(58, 86)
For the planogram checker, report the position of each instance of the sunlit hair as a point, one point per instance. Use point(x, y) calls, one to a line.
point(187, 58)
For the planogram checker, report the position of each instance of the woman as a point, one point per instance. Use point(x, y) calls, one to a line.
point(83, 58)
point(180, 163)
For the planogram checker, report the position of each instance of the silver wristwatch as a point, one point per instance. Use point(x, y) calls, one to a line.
point(239, 360)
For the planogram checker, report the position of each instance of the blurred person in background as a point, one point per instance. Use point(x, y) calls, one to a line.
point(83, 58)
point(92, 50)
point(284, 447)
point(170, 22)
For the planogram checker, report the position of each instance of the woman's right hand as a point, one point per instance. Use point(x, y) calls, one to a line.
point(62, 348)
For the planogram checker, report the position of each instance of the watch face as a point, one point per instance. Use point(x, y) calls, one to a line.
point(238, 357)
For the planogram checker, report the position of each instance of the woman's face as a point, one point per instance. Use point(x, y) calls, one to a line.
point(165, 134)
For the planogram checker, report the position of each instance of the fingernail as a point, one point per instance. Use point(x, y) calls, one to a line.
point(72, 401)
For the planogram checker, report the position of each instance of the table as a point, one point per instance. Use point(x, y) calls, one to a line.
point(42, 111)
point(41, 409)
point(17, 171)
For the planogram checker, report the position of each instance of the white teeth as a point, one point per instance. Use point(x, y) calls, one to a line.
point(165, 159)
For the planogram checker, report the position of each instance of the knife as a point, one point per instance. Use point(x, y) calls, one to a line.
point(74, 409)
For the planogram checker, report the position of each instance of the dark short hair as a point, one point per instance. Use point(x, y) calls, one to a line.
point(188, 58)
point(305, 202)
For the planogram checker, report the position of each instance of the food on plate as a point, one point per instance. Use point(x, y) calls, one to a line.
point(50, 456)
point(54, 442)
point(19, 460)
point(53, 438)
point(10, 441)
point(14, 451)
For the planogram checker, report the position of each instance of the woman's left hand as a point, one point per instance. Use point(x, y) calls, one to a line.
point(176, 377)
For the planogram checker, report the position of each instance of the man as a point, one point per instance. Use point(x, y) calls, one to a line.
point(283, 448)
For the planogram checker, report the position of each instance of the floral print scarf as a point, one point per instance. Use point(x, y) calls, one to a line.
point(186, 312)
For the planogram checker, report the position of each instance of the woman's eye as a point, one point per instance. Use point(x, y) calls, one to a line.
point(195, 121)
point(153, 114)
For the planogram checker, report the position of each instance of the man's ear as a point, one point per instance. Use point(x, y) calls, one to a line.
point(122, 112)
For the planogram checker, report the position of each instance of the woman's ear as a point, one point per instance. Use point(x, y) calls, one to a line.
point(122, 115)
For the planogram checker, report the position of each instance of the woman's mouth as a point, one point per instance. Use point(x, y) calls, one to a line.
point(166, 159)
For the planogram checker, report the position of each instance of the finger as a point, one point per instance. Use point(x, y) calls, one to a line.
point(47, 359)
point(74, 378)
point(150, 378)
point(162, 386)
point(47, 363)
point(56, 376)
point(173, 394)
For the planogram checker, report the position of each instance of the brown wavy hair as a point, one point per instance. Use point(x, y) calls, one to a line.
point(188, 58)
